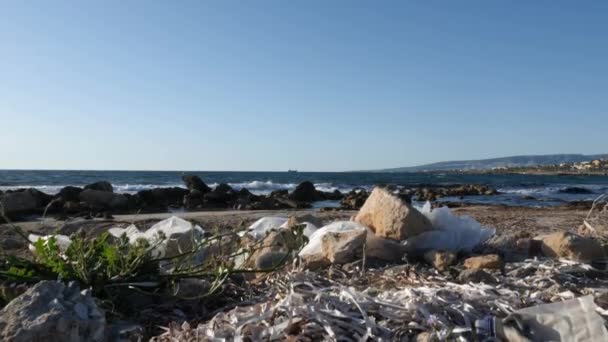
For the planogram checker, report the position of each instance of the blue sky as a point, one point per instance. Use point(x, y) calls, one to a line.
point(311, 85)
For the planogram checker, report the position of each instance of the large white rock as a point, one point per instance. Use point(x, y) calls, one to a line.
point(390, 217)
point(51, 311)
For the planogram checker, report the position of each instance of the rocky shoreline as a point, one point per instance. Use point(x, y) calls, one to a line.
point(99, 200)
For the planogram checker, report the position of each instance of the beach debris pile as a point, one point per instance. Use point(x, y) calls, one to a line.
point(395, 272)
point(402, 303)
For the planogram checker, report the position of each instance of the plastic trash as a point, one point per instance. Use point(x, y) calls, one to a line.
point(260, 228)
point(570, 320)
point(315, 244)
point(62, 241)
point(452, 233)
point(179, 236)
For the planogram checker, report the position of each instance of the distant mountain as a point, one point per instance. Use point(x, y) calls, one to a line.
point(485, 164)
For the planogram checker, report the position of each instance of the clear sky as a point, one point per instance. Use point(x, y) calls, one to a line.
point(310, 85)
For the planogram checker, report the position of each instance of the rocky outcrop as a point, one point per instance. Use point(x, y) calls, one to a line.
point(69, 194)
point(389, 216)
point(100, 186)
point(51, 311)
point(194, 182)
point(432, 193)
point(354, 199)
point(489, 261)
point(23, 202)
point(161, 197)
point(305, 192)
point(571, 246)
point(103, 200)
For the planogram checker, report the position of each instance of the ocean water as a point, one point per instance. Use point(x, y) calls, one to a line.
point(532, 190)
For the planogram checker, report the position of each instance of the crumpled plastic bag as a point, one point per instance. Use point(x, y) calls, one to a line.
point(179, 236)
point(260, 228)
point(452, 233)
point(570, 320)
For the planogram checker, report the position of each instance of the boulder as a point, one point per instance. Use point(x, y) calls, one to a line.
point(338, 242)
point(391, 217)
point(343, 247)
point(100, 186)
point(194, 182)
point(69, 194)
point(280, 193)
point(512, 247)
point(51, 311)
point(305, 192)
point(383, 249)
point(489, 261)
point(476, 276)
point(26, 201)
point(99, 200)
point(222, 194)
point(162, 197)
point(571, 246)
point(441, 260)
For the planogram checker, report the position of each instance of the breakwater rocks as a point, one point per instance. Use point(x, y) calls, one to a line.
point(100, 200)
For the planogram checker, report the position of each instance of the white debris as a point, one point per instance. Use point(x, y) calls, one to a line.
point(453, 233)
point(260, 228)
point(62, 241)
point(171, 237)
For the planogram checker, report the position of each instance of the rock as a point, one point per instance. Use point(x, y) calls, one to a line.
point(194, 182)
point(51, 311)
point(222, 194)
point(441, 260)
point(476, 276)
point(74, 207)
point(575, 190)
point(271, 259)
point(280, 193)
point(100, 186)
point(343, 247)
point(489, 261)
point(335, 195)
point(512, 247)
point(383, 249)
point(100, 200)
point(391, 217)
point(22, 202)
point(11, 243)
point(571, 246)
point(69, 194)
point(268, 252)
point(305, 192)
point(355, 199)
point(162, 197)
point(340, 242)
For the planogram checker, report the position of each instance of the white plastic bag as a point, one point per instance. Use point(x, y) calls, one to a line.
point(179, 236)
point(452, 233)
point(62, 241)
point(260, 228)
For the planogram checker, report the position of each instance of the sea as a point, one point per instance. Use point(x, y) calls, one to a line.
point(515, 189)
